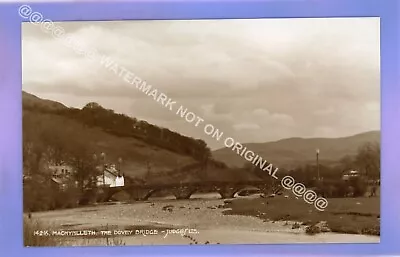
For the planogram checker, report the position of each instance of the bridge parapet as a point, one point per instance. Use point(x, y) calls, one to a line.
point(182, 190)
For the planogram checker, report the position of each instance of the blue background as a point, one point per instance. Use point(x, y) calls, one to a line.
point(11, 116)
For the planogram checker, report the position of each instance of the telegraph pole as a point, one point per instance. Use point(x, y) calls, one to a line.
point(103, 158)
point(317, 152)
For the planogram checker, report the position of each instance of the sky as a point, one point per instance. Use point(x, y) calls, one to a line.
point(256, 80)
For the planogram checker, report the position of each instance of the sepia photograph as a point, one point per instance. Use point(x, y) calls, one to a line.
point(194, 132)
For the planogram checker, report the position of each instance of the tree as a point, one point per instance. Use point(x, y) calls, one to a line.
point(80, 157)
point(368, 160)
point(347, 163)
point(67, 145)
point(359, 186)
point(92, 105)
point(34, 147)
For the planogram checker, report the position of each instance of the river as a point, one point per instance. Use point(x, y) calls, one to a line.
point(201, 217)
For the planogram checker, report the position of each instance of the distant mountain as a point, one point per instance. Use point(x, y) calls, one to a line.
point(291, 152)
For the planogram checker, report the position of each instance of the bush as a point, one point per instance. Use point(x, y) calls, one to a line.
point(43, 196)
point(312, 230)
point(340, 188)
point(67, 199)
point(360, 187)
point(38, 196)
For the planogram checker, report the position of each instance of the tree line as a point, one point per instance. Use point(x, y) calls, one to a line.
point(331, 182)
point(122, 125)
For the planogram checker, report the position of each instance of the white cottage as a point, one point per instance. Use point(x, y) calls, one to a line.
point(119, 181)
point(110, 177)
point(350, 175)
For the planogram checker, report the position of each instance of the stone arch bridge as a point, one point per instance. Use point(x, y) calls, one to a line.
point(185, 190)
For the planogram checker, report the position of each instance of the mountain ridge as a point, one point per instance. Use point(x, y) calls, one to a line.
point(294, 151)
point(30, 100)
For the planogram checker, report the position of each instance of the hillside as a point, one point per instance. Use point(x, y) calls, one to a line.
point(148, 152)
point(32, 101)
point(291, 152)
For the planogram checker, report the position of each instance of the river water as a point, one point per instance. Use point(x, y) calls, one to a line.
point(200, 222)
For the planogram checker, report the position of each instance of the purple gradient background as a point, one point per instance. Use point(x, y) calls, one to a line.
point(10, 114)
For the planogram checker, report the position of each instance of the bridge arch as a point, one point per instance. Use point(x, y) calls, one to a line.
point(107, 193)
point(248, 189)
point(153, 192)
point(184, 192)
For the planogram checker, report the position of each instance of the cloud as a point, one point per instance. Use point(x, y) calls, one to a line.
point(275, 77)
point(246, 126)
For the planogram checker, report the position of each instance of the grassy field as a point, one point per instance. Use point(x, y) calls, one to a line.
point(343, 215)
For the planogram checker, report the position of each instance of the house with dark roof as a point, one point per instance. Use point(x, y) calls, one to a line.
point(62, 175)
